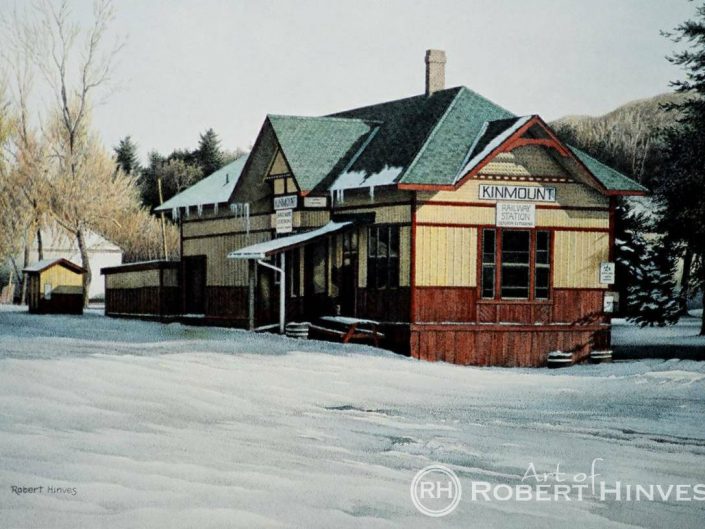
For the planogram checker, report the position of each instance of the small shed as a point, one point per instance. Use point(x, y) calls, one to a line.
point(55, 286)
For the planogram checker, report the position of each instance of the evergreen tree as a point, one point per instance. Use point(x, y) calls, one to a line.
point(148, 180)
point(651, 298)
point(126, 156)
point(682, 186)
point(209, 154)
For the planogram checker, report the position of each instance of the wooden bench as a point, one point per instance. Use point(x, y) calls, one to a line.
point(354, 329)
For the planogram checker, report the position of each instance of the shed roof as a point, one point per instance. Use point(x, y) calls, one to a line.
point(263, 250)
point(214, 189)
point(42, 265)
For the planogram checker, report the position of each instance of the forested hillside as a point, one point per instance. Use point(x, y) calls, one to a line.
point(627, 138)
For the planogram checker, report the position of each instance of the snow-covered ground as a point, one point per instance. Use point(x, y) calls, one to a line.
point(176, 427)
point(681, 340)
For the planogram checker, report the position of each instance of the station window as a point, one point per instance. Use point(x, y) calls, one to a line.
point(516, 264)
point(383, 257)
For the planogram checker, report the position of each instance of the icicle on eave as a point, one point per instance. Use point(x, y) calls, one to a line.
point(242, 210)
point(337, 195)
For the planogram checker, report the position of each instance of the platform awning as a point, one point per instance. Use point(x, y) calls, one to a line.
point(265, 249)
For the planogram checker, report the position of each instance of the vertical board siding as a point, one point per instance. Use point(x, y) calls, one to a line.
point(135, 279)
point(222, 271)
point(446, 256)
point(59, 276)
point(577, 259)
point(445, 304)
point(363, 235)
point(224, 225)
point(405, 256)
point(577, 306)
point(499, 348)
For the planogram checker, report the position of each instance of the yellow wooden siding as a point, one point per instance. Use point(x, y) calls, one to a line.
point(446, 256)
point(530, 160)
point(577, 258)
point(486, 216)
point(279, 165)
point(133, 279)
point(225, 225)
point(58, 276)
point(567, 194)
point(222, 271)
point(385, 214)
point(363, 235)
point(405, 256)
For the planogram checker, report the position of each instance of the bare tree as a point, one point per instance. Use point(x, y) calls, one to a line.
point(27, 149)
point(75, 62)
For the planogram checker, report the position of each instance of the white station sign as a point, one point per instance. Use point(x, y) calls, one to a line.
point(315, 202)
point(286, 202)
point(513, 215)
point(607, 273)
point(517, 193)
point(284, 221)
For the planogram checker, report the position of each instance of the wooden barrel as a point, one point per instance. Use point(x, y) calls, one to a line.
point(559, 359)
point(297, 329)
point(599, 357)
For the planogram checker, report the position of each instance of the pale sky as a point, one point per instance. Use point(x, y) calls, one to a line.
point(190, 65)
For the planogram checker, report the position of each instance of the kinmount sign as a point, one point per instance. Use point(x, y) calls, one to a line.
point(522, 193)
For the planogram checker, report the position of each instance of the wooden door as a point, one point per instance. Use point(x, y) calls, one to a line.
point(348, 275)
point(195, 284)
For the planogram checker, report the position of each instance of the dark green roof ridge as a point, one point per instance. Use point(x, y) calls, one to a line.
point(610, 178)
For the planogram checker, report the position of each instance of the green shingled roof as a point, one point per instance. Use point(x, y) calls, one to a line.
point(315, 147)
point(608, 177)
point(416, 140)
point(448, 145)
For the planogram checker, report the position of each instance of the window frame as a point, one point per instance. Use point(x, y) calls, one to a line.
point(391, 264)
point(496, 266)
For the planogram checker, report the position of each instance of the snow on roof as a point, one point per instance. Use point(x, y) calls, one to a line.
point(361, 179)
point(213, 189)
point(46, 263)
point(265, 249)
point(491, 145)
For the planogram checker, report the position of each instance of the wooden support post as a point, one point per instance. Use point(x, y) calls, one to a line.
point(282, 294)
point(161, 202)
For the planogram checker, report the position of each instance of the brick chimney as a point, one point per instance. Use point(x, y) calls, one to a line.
point(435, 71)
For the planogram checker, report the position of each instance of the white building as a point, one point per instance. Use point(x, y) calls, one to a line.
point(57, 242)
